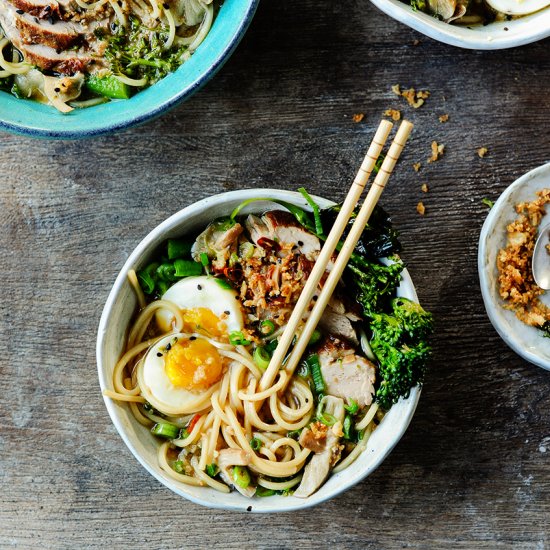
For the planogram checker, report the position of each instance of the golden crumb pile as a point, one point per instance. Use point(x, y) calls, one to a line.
point(414, 98)
point(516, 284)
point(420, 208)
point(394, 114)
point(482, 152)
point(358, 117)
point(443, 118)
point(437, 151)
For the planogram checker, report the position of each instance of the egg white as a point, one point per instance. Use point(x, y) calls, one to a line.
point(158, 389)
point(203, 291)
point(518, 7)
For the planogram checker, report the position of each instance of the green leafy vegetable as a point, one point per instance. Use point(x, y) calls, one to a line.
point(263, 492)
point(419, 5)
point(487, 202)
point(352, 408)
point(316, 211)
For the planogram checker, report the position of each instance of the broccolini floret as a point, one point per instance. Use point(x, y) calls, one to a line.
point(399, 341)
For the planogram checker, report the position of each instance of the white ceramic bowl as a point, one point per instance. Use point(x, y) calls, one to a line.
point(495, 36)
point(121, 305)
point(524, 340)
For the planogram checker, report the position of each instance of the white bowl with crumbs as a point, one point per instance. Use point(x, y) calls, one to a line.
point(527, 341)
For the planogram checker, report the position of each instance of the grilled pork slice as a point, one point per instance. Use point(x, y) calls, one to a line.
point(58, 35)
point(40, 55)
point(345, 373)
point(43, 9)
point(281, 227)
point(323, 460)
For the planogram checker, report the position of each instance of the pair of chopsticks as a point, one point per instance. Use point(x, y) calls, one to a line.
point(329, 247)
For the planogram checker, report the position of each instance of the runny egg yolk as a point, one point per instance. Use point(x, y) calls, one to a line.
point(203, 320)
point(193, 364)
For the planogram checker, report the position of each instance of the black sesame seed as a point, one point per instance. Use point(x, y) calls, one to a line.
point(51, 20)
point(159, 354)
point(48, 9)
point(20, 12)
point(314, 298)
point(168, 346)
point(300, 243)
point(57, 90)
point(36, 21)
point(227, 312)
point(199, 287)
point(249, 509)
point(165, 6)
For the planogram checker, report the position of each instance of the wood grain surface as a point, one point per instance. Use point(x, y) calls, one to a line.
point(473, 470)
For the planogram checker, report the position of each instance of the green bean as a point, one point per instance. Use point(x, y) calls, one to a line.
point(108, 86)
point(186, 268)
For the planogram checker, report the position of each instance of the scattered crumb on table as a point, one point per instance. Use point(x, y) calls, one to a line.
point(358, 117)
point(443, 118)
point(482, 152)
point(414, 98)
point(437, 151)
point(417, 166)
point(424, 187)
point(393, 113)
point(420, 208)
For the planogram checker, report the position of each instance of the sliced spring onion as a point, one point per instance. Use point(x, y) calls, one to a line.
point(303, 369)
point(246, 250)
point(183, 434)
point(270, 347)
point(178, 248)
point(205, 260)
point(315, 337)
point(263, 492)
point(256, 444)
point(267, 327)
point(236, 338)
point(224, 283)
point(316, 211)
point(166, 272)
point(162, 287)
point(347, 427)
point(261, 357)
point(187, 268)
point(326, 419)
point(316, 376)
point(353, 407)
point(179, 466)
point(241, 476)
point(163, 429)
point(212, 470)
point(146, 282)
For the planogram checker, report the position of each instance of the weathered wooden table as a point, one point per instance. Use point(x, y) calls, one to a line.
point(473, 469)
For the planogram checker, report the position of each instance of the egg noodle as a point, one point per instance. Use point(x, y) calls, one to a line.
point(231, 411)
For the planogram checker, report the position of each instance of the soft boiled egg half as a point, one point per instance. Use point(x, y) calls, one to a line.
point(180, 372)
point(518, 7)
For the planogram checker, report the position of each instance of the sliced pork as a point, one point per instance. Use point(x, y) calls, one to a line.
point(228, 458)
point(280, 227)
point(346, 374)
point(318, 468)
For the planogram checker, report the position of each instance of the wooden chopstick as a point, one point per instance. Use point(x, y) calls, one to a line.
point(325, 255)
point(349, 245)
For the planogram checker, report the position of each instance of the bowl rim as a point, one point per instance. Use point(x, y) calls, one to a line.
point(103, 126)
point(170, 223)
point(462, 37)
point(491, 306)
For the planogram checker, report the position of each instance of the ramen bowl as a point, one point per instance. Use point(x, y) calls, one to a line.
point(494, 36)
point(115, 320)
point(37, 120)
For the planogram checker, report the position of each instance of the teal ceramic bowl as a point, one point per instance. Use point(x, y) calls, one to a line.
point(34, 119)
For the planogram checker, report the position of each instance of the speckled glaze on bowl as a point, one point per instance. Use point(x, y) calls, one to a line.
point(36, 120)
point(524, 340)
point(120, 307)
point(495, 36)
